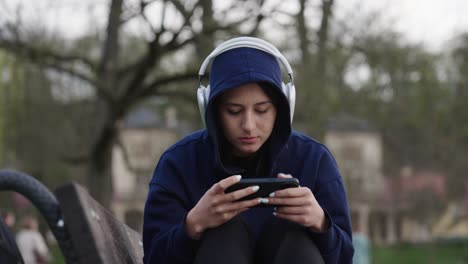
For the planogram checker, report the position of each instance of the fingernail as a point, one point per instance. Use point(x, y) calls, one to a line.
point(274, 209)
point(272, 195)
point(264, 200)
point(274, 213)
point(281, 174)
point(260, 200)
point(238, 177)
point(255, 188)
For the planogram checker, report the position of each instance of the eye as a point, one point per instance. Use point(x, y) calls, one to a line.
point(233, 111)
point(262, 110)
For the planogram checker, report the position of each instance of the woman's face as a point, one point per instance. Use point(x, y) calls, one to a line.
point(247, 118)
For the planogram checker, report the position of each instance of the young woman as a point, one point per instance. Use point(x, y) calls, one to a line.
point(248, 113)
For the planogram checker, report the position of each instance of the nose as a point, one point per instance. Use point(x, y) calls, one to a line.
point(248, 122)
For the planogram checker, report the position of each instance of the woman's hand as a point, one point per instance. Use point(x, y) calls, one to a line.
point(216, 207)
point(299, 205)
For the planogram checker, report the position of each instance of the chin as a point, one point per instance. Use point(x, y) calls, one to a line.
point(243, 152)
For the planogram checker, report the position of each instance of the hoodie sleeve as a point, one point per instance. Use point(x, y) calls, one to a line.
point(335, 244)
point(164, 237)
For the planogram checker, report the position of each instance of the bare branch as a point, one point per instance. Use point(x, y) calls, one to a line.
point(185, 96)
point(153, 88)
point(173, 45)
point(58, 62)
point(49, 59)
point(163, 16)
point(258, 20)
point(181, 8)
point(143, 5)
point(152, 55)
point(65, 69)
point(253, 14)
point(24, 50)
point(146, 63)
point(111, 44)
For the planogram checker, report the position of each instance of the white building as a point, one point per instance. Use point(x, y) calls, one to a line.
point(143, 138)
point(358, 151)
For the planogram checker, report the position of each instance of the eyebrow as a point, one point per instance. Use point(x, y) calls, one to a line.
point(256, 104)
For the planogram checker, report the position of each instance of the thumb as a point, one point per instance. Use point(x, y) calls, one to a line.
point(283, 175)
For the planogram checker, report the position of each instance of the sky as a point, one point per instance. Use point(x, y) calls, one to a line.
point(430, 22)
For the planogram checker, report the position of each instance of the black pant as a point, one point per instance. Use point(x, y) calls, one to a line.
point(280, 241)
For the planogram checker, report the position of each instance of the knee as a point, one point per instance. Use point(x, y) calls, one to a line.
point(232, 228)
point(290, 241)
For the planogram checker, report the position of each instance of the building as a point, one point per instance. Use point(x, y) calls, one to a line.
point(142, 140)
point(388, 209)
point(357, 149)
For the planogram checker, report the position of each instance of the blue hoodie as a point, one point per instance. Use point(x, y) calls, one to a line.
point(191, 166)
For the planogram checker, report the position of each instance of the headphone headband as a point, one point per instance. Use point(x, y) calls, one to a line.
point(248, 42)
point(203, 93)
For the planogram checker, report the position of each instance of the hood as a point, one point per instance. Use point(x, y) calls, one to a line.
point(232, 69)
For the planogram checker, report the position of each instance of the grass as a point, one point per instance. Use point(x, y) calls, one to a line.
point(57, 257)
point(431, 253)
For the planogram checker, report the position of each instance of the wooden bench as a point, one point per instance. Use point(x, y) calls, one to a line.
point(98, 237)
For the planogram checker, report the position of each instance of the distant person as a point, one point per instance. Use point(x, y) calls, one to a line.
point(362, 247)
point(9, 219)
point(9, 253)
point(31, 243)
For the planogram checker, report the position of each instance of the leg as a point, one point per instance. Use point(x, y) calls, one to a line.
point(229, 243)
point(283, 241)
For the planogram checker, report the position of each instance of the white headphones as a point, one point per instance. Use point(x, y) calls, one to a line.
point(203, 93)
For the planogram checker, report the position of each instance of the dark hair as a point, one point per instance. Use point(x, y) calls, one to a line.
point(271, 92)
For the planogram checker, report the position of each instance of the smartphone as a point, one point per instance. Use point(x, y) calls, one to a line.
point(267, 186)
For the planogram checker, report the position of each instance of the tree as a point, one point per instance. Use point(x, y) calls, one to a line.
point(119, 78)
point(30, 115)
point(313, 105)
point(457, 121)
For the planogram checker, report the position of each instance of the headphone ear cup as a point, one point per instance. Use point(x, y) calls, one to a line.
point(201, 101)
point(290, 91)
point(207, 95)
point(292, 99)
point(203, 93)
point(285, 88)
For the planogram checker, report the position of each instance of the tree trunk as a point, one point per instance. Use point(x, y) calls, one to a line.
point(302, 34)
point(322, 96)
point(205, 41)
point(100, 165)
point(322, 35)
point(314, 97)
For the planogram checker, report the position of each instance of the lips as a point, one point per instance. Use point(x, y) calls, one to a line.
point(248, 140)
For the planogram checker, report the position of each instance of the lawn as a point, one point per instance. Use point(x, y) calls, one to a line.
point(433, 253)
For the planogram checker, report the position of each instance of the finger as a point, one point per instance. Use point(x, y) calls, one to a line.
point(236, 195)
point(299, 201)
point(242, 205)
point(284, 175)
point(223, 184)
point(292, 192)
point(234, 206)
point(228, 215)
point(300, 219)
point(293, 210)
